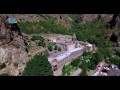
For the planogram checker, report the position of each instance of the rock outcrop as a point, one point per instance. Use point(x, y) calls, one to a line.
point(115, 21)
point(13, 48)
point(83, 18)
point(14, 58)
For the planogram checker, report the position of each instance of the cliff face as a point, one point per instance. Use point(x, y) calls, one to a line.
point(5, 34)
point(14, 58)
point(65, 19)
point(115, 21)
point(89, 17)
point(12, 48)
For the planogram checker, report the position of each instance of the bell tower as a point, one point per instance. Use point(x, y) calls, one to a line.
point(74, 38)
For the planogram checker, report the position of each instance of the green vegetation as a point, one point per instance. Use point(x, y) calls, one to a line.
point(117, 53)
point(97, 57)
point(76, 62)
point(38, 66)
point(50, 47)
point(67, 70)
point(84, 68)
point(40, 39)
point(95, 32)
point(55, 47)
point(92, 65)
point(2, 65)
point(92, 31)
point(84, 62)
point(48, 26)
point(4, 74)
point(59, 49)
point(40, 43)
point(31, 27)
point(37, 38)
point(115, 60)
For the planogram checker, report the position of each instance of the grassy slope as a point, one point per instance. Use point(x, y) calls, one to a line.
point(93, 32)
point(48, 26)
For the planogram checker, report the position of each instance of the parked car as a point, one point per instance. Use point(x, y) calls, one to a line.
point(104, 71)
point(104, 74)
point(112, 66)
point(106, 68)
point(116, 68)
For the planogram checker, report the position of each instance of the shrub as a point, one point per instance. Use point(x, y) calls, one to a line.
point(115, 60)
point(50, 47)
point(84, 68)
point(59, 49)
point(117, 53)
point(2, 65)
point(76, 62)
point(91, 65)
point(55, 47)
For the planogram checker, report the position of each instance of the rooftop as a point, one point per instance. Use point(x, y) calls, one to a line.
point(64, 55)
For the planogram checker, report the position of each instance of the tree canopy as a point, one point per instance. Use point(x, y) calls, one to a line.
point(38, 66)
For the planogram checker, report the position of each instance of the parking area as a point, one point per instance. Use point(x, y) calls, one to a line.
point(104, 69)
point(114, 72)
point(109, 70)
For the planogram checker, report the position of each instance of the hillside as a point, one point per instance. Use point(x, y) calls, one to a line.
point(103, 30)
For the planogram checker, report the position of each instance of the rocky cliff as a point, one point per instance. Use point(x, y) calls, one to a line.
point(13, 48)
point(83, 18)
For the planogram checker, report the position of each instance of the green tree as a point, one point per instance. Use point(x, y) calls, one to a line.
point(97, 57)
point(2, 65)
point(41, 44)
point(117, 52)
point(50, 47)
point(115, 60)
point(76, 62)
point(38, 66)
point(59, 49)
point(55, 47)
point(91, 65)
point(84, 68)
